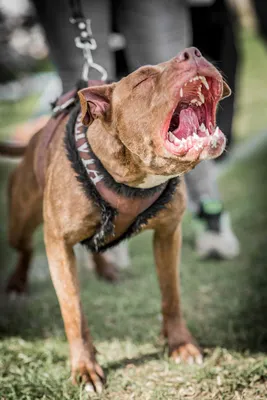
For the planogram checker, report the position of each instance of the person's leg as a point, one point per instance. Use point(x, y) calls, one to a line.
point(214, 35)
point(54, 17)
point(155, 31)
point(68, 60)
point(261, 14)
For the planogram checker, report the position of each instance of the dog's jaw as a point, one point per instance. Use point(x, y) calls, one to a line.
point(190, 129)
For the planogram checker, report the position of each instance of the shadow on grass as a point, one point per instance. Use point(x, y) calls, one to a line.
point(136, 361)
point(225, 303)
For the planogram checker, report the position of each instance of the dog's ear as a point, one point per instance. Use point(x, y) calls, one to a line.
point(95, 102)
point(226, 91)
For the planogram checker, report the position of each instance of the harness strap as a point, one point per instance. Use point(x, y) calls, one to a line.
point(47, 136)
point(127, 209)
point(60, 111)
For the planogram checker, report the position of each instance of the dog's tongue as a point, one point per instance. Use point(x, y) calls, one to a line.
point(188, 123)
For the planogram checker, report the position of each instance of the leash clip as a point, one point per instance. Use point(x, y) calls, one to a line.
point(87, 44)
point(58, 109)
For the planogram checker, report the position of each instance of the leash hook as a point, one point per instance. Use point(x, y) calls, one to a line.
point(87, 44)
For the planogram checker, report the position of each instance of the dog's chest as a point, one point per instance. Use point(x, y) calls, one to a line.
point(124, 210)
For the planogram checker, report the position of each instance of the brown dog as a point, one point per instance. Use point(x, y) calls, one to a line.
point(141, 134)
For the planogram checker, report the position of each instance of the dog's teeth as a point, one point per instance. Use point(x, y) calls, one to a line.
point(216, 133)
point(181, 146)
point(207, 132)
point(202, 98)
point(171, 136)
point(214, 142)
point(181, 92)
point(195, 136)
point(176, 141)
point(194, 101)
point(202, 127)
point(183, 141)
point(205, 83)
point(199, 145)
point(189, 141)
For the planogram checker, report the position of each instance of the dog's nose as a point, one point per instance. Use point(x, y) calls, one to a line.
point(190, 54)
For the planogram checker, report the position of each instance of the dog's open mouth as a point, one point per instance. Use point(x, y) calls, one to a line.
point(192, 124)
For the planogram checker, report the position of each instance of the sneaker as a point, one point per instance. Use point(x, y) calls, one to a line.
point(214, 235)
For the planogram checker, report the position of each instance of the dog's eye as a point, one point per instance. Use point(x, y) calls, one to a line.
point(143, 80)
point(148, 77)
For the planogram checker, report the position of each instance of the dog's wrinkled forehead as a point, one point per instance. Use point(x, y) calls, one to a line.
point(138, 77)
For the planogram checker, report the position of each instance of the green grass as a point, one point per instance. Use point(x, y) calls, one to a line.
point(224, 303)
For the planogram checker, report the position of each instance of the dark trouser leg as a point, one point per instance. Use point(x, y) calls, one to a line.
point(214, 34)
point(155, 31)
point(54, 17)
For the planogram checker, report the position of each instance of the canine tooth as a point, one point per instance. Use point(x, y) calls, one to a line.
point(205, 83)
point(171, 136)
point(181, 92)
point(194, 101)
point(202, 98)
point(183, 141)
point(216, 133)
point(202, 127)
point(176, 141)
point(189, 141)
point(195, 136)
point(207, 132)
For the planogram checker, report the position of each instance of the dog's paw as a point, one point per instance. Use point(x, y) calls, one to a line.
point(187, 353)
point(90, 374)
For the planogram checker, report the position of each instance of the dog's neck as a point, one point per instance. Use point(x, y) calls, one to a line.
point(97, 173)
point(124, 167)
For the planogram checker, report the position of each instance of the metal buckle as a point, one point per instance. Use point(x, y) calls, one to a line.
point(58, 109)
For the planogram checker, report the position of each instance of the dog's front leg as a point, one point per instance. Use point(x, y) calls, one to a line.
point(167, 246)
point(63, 271)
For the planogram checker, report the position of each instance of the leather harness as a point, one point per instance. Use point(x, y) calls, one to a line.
point(125, 211)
